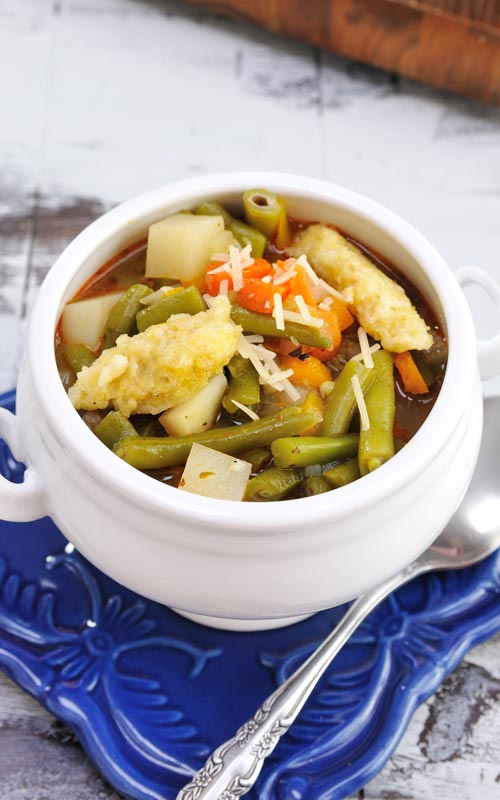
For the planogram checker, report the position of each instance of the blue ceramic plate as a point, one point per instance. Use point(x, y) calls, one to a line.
point(150, 694)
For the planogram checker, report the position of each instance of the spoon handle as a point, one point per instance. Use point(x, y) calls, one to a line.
point(234, 766)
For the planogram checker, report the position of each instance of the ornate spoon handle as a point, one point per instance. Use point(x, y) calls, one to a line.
point(234, 766)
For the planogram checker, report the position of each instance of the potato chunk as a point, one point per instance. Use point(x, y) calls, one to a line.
point(199, 413)
point(382, 306)
point(161, 367)
point(180, 246)
point(84, 321)
point(215, 474)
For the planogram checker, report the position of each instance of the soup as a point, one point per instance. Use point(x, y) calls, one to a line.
point(254, 358)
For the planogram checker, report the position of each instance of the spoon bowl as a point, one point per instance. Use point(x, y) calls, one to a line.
point(472, 534)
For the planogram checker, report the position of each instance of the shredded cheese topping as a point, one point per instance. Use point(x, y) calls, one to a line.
point(360, 400)
point(278, 313)
point(269, 372)
point(364, 344)
point(373, 349)
point(303, 309)
point(303, 262)
point(246, 410)
point(292, 316)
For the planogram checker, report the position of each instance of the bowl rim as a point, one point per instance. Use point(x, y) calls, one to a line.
point(259, 518)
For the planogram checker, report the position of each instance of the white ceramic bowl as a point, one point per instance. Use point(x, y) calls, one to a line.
point(246, 565)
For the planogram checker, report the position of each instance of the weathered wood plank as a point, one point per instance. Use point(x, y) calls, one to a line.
point(451, 44)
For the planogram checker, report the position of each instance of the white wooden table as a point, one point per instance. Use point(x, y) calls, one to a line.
point(102, 99)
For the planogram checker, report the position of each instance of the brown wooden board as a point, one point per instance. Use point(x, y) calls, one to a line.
point(451, 44)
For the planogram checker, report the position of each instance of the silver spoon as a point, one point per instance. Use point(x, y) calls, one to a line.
point(472, 534)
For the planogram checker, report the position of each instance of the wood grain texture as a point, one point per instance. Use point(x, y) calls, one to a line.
point(452, 44)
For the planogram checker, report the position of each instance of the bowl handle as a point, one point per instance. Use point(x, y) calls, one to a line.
point(488, 350)
point(19, 502)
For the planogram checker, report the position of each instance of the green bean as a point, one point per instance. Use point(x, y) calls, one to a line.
point(262, 210)
point(304, 451)
point(272, 484)
point(259, 459)
point(264, 324)
point(425, 369)
point(244, 389)
point(376, 445)
point(244, 233)
point(237, 365)
point(342, 474)
point(78, 356)
point(341, 403)
point(161, 452)
point(315, 484)
point(122, 316)
point(185, 301)
point(113, 428)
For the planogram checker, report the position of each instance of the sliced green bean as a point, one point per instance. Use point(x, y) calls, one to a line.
point(122, 317)
point(304, 451)
point(113, 428)
point(376, 445)
point(342, 474)
point(78, 356)
point(315, 484)
point(262, 210)
point(237, 365)
point(427, 372)
point(244, 389)
point(259, 459)
point(341, 403)
point(161, 452)
point(272, 484)
point(244, 233)
point(185, 301)
point(264, 324)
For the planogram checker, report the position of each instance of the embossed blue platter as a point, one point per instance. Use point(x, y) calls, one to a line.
point(150, 694)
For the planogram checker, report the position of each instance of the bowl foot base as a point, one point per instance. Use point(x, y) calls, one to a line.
point(241, 625)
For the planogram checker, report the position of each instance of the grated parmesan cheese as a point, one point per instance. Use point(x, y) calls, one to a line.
point(267, 279)
point(278, 313)
point(360, 400)
point(303, 309)
point(284, 277)
point(373, 349)
point(366, 353)
point(302, 260)
point(269, 372)
point(236, 267)
point(246, 410)
point(224, 287)
point(292, 316)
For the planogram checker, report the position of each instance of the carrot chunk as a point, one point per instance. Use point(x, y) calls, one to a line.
point(413, 381)
point(258, 296)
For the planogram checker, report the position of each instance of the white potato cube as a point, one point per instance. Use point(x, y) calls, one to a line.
point(180, 246)
point(213, 474)
point(199, 412)
point(84, 321)
point(222, 242)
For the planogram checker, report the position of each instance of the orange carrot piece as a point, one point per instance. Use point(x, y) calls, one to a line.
point(410, 374)
point(258, 296)
point(309, 371)
point(300, 284)
point(332, 321)
point(213, 280)
point(344, 316)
